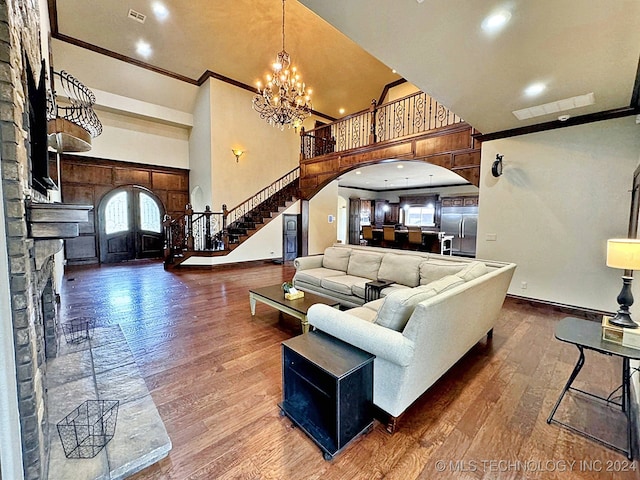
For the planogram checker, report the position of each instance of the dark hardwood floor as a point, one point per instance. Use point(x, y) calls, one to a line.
point(214, 373)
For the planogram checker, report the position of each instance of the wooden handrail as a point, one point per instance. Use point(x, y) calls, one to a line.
point(258, 198)
point(406, 116)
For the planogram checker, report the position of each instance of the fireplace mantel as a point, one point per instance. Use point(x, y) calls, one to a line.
point(55, 220)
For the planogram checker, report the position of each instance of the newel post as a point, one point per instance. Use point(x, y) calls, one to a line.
point(225, 237)
point(372, 131)
point(189, 226)
point(208, 241)
point(301, 143)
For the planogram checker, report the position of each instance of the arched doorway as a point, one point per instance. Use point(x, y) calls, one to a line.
point(130, 224)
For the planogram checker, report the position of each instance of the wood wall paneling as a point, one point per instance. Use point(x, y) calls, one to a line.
point(466, 159)
point(86, 173)
point(81, 249)
point(177, 201)
point(132, 177)
point(445, 161)
point(86, 180)
point(78, 194)
point(168, 181)
point(443, 143)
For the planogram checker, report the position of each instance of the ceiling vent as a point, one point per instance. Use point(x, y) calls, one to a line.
point(555, 107)
point(137, 16)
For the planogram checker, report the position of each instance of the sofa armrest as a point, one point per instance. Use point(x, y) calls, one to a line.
point(305, 263)
point(380, 341)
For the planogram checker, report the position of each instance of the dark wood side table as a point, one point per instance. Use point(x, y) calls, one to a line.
point(585, 334)
point(372, 289)
point(327, 389)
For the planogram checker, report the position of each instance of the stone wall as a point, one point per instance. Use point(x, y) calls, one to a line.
point(20, 40)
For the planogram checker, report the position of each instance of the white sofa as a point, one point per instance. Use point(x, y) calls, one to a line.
point(342, 272)
point(418, 333)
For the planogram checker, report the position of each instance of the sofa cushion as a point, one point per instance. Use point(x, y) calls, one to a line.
point(374, 305)
point(398, 306)
point(340, 283)
point(392, 288)
point(433, 269)
point(443, 284)
point(363, 313)
point(403, 269)
point(365, 265)
point(314, 276)
point(359, 287)
point(336, 258)
point(473, 270)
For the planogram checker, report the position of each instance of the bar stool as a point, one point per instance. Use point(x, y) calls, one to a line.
point(389, 235)
point(415, 237)
point(367, 234)
point(446, 244)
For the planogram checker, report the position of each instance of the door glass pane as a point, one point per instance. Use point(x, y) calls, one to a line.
point(149, 214)
point(115, 214)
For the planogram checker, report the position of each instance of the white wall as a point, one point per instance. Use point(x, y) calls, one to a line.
point(200, 152)
point(265, 244)
point(323, 234)
point(269, 152)
point(137, 140)
point(563, 193)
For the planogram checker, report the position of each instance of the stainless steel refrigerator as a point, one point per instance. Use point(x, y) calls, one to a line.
point(462, 223)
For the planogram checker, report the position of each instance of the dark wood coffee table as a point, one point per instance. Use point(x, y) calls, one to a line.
point(274, 297)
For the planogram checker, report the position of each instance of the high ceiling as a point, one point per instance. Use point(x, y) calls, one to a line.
point(235, 38)
point(345, 49)
point(573, 47)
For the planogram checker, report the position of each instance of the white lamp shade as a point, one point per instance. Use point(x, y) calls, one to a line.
point(623, 253)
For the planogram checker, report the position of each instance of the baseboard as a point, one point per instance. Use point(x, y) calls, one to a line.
point(570, 310)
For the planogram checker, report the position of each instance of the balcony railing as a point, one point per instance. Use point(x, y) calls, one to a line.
point(415, 113)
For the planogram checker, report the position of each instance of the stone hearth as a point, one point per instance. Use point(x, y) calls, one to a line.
point(103, 368)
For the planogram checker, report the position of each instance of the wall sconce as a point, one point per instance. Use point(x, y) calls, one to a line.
point(496, 168)
point(238, 153)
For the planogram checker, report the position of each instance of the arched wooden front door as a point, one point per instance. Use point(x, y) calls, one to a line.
point(130, 224)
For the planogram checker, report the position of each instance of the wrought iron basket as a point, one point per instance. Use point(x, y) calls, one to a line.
point(88, 428)
point(78, 330)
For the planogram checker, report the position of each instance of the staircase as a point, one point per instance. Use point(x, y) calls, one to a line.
point(258, 217)
point(209, 234)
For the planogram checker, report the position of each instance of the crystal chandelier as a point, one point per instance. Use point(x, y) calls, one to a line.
point(284, 100)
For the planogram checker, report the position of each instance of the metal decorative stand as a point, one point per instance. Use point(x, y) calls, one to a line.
point(88, 428)
point(78, 330)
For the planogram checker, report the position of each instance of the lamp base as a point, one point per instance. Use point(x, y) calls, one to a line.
point(623, 319)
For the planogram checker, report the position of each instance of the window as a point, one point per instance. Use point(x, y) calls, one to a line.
point(116, 214)
point(149, 214)
point(420, 216)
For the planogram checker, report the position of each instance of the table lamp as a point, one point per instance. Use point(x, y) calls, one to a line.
point(624, 253)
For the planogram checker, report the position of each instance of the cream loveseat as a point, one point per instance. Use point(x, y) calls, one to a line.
point(416, 332)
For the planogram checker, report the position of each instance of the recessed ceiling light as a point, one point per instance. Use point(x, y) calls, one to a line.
point(143, 48)
point(160, 11)
point(535, 89)
point(496, 21)
point(400, 166)
point(358, 172)
point(341, 111)
point(393, 70)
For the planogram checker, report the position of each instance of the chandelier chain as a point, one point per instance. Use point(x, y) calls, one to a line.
point(284, 99)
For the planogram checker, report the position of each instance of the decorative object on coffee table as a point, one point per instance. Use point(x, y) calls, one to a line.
point(327, 389)
point(624, 253)
point(78, 330)
point(290, 292)
point(88, 428)
point(274, 296)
